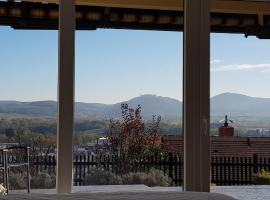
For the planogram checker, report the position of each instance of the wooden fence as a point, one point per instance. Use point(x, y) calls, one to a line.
point(224, 170)
point(237, 170)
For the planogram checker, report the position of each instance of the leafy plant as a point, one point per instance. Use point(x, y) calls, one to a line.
point(98, 176)
point(43, 181)
point(262, 178)
point(17, 180)
point(131, 139)
point(152, 178)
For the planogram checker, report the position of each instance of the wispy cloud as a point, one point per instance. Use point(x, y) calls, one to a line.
point(267, 70)
point(216, 61)
point(217, 66)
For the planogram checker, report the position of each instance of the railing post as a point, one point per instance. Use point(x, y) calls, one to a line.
point(170, 165)
point(255, 164)
point(37, 163)
point(28, 169)
point(212, 170)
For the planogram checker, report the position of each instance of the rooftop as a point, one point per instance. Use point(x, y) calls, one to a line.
point(234, 146)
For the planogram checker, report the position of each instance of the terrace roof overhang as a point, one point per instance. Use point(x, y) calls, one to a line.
point(196, 18)
point(227, 16)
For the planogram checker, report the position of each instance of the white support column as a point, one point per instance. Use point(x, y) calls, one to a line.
point(65, 96)
point(196, 99)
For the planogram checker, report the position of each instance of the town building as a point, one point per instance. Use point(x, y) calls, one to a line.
point(225, 146)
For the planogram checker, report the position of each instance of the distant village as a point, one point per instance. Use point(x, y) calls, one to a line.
point(226, 140)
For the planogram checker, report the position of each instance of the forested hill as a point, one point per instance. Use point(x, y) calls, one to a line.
point(151, 105)
point(168, 108)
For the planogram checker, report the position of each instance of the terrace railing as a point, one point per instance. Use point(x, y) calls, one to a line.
point(224, 170)
point(237, 170)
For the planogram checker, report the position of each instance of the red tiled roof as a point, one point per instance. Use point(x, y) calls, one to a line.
point(234, 146)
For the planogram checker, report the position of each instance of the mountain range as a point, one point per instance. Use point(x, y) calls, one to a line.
point(168, 108)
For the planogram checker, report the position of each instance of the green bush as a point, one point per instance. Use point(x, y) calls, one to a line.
point(152, 178)
point(43, 181)
point(99, 176)
point(213, 184)
point(17, 181)
point(262, 178)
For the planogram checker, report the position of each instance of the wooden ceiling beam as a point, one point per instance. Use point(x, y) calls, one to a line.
point(240, 7)
point(220, 6)
point(140, 4)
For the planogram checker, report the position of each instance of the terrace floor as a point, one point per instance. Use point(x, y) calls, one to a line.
point(239, 192)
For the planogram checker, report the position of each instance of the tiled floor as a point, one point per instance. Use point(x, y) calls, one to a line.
point(260, 192)
point(238, 192)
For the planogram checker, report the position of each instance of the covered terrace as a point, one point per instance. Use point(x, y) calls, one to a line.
point(196, 18)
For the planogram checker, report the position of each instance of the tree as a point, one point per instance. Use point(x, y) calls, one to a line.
point(131, 139)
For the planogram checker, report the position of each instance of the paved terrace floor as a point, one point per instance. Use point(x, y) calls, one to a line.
point(238, 192)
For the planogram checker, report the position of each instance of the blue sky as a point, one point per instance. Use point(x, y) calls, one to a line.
point(116, 65)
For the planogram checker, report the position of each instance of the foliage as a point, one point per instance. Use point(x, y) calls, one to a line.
point(98, 176)
point(213, 184)
point(17, 180)
point(132, 139)
point(43, 181)
point(12, 127)
point(262, 178)
point(152, 178)
point(41, 144)
point(84, 125)
point(40, 133)
point(83, 139)
point(171, 128)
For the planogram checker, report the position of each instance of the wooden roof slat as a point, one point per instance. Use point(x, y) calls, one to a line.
point(40, 16)
point(140, 4)
point(222, 6)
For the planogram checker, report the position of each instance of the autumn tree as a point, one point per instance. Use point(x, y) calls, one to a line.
point(131, 139)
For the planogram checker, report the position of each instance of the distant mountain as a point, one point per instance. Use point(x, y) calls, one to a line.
point(168, 108)
point(240, 104)
point(38, 108)
point(152, 105)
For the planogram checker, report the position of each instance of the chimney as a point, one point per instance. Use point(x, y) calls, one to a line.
point(226, 130)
